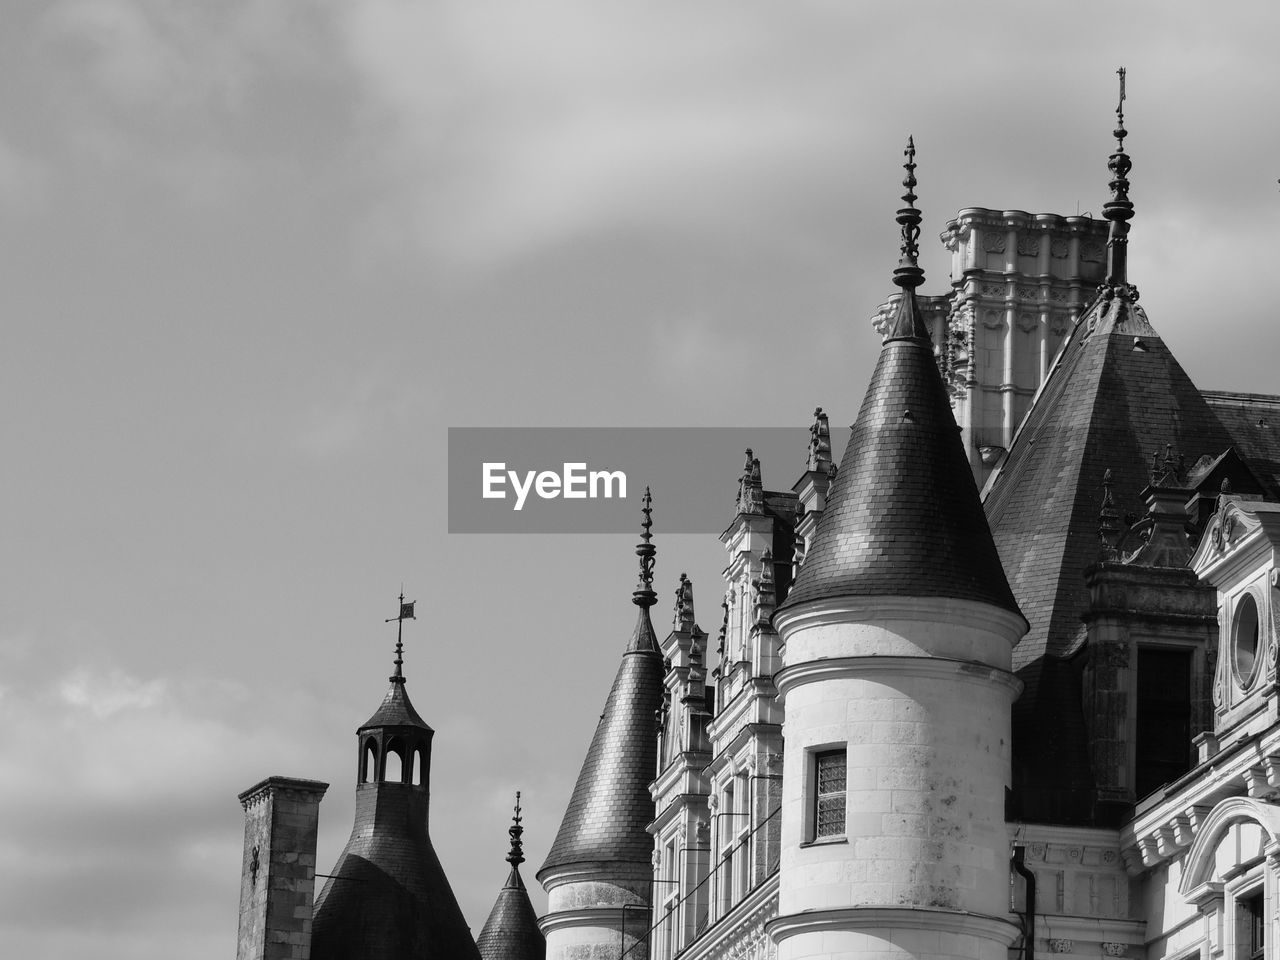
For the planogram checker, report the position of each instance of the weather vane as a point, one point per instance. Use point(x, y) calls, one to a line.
point(406, 613)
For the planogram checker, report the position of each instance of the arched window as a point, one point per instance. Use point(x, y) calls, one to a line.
point(369, 761)
point(417, 767)
point(394, 771)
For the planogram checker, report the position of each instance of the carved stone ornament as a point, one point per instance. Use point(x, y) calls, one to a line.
point(656, 859)
point(1058, 325)
point(992, 319)
point(713, 803)
point(992, 290)
point(1091, 250)
point(1028, 246)
point(1028, 293)
point(993, 242)
point(1059, 945)
point(1115, 949)
point(1059, 248)
point(1027, 322)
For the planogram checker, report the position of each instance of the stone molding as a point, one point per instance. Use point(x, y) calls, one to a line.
point(958, 922)
point(944, 610)
point(842, 668)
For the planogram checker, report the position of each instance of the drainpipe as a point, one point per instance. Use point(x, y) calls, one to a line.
point(1029, 918)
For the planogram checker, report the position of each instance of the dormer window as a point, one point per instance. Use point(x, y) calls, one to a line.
point(1244, 641)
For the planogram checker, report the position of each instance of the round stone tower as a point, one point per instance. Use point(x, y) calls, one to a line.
point(896, 683)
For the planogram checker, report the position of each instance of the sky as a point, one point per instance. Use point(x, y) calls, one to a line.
point(257, 257)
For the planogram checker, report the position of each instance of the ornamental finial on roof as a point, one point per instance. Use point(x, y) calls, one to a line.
point(1108, 525)
point(516, 856)
point(908, 274)
point(406, 613)
point(643, 595)
point(819, 442)
point(1119, 210)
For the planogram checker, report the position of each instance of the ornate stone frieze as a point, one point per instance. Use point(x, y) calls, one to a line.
point(1059, 248)
point(1028, 245)
point(1092, 251)
point(1060, 945)
point(1115, 949)
point(993, 242)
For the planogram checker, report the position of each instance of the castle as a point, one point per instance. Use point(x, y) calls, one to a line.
point(1020, 647)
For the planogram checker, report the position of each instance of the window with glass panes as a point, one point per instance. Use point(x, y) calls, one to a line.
point(830, 771)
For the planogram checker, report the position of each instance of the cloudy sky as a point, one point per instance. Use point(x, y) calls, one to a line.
point(259, 256)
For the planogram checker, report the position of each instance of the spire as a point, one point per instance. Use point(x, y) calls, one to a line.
point(904, 518)
point(750, 486)
point(511, 931)
point(406, 613)
point(682, 621)
point(643, 638)
point(643, 596)
point(1119, 210)
point(516, 856)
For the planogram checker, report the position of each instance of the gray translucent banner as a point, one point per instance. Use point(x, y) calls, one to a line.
point(571, 479)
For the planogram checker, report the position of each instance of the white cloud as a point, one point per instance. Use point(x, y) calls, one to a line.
point(103, 695)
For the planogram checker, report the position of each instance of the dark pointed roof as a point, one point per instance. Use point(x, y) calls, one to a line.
point(387, 897)
point(511, 932)
point(610, 806)
point(903, 517)
point(396, 710)
point(1115, 397)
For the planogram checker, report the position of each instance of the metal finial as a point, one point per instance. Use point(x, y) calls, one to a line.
point(908, 274)
point(643, 595)
point(516, 856)
point(1119, 210)
point(406, 613)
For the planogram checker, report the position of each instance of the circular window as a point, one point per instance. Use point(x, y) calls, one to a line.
point(1244, 640)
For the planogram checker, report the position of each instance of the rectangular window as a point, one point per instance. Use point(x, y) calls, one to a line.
point(1254, 927)
point(830, 778)
point(1163, 748)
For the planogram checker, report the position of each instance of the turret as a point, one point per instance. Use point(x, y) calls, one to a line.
point(388, 897)
point(511, 932)
point(597, 875)
point(897, 639)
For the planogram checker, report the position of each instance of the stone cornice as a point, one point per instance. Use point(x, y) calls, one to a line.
point(933, 610)
point(958, 922)
point(291, 787)
point(1168, 826)
point(838, 668)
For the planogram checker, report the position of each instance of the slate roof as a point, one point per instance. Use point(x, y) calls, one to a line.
point(389, 898)
point(395, 710)
point(1253, 420)
point(511, 932)
point(904, 517)
point(610, 806)
point(1115, 397)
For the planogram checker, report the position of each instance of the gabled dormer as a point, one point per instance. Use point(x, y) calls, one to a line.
point(1237, 556)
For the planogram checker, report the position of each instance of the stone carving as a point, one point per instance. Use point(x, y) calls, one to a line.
point(993, 242)
point(1115, 949)
point(1058, 325)
point(1029, 293)
point(992, 319)
point(1059, 248)
point(1028, 246)
point(1027, 322)
point(992, 290)
point(1058, 945)
point(1092, 251)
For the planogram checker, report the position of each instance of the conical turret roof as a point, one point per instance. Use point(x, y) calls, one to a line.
point(511, 932)
point(610, 806)
point(904, 517)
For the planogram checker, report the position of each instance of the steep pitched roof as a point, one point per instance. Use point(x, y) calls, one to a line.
point(396, 710)
point(1253, 420)
point(511, 932)
point(610, 806)
point(1115, 397)
point(904, 517)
